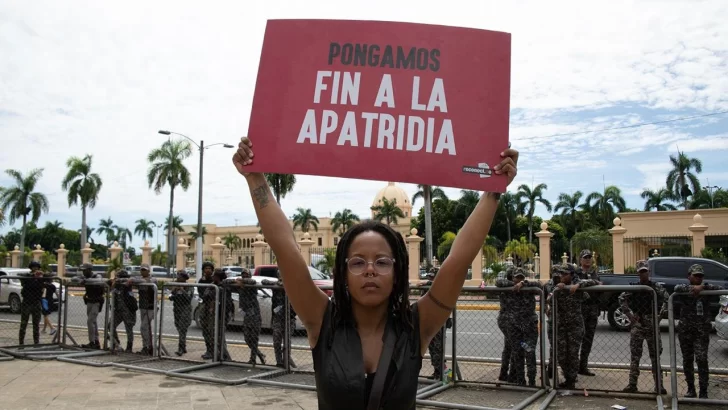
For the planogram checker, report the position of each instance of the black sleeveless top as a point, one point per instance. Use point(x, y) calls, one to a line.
point(338, 361)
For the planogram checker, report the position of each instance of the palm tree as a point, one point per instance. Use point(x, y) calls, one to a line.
point(281, 184)
point(527, 200)
point(83, 186)
point(194, 235)
point(176, 224)
point(387, 210)
point(305, 219)
point(166, 168)
point(466, 203)
point(327, 261)
point(232, 242)
point(446, 241)
point(602, 205)
point(427, 193)
point(121, 235)
point(20, 201)
point(508, 210)
point(144, 228)
point(107, 227)
point(344, 219)
point(680, 178)
point(657, 200)
point(704, 200)
point(521, 249)
point(570, 205)
point(51, 234)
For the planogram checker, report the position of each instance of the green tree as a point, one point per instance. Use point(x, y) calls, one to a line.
point(528, 199)
point(605, 205)
point(427, 193)
point(343, 221)
point(326, 263)
point(176, 224)
point(144, 228)
point(570, 207)
point(232, 242)
point(281, 184)
point(167, 169)
point(681, 178)
point(107, 228)
point(521, 250)
point(195, 235)
point(305, 219)
point(703, 199)
point(506, 213)
point(83, 186)
point(446, 241)
point(657, 200)
point(388, 211)
point(122, 234)
point(21, 201)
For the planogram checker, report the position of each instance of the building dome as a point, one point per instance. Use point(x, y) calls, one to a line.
point(393, 192)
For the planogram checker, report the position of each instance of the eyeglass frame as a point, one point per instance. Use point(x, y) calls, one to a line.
point(346, 261)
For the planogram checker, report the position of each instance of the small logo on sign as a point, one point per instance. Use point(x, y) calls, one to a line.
point(482, 169)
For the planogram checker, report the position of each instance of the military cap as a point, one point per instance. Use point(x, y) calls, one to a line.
point(519, 272)
point(87, 266)
point(122, 274)
point(181, 274)
point(34, 264)
point(696, 269)
point(642, 265)
point(556, 270)
point(584, 253)
point(144, 266)
point(568, 268)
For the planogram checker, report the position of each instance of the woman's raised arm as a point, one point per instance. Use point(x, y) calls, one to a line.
point(436, 305)
point(307, 299)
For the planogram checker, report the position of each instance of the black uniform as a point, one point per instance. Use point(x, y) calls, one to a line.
point(125, 308)
point(181, 299)
point(278, 305)
point(30, 306)
point(207, 316)
point(590, 310)
point(436, 346)
point(252, 321)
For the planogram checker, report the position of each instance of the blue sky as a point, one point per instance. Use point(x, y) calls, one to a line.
point(79, 77)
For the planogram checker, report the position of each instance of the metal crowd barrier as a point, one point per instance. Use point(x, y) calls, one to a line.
point(472, 380)
point(720, 387)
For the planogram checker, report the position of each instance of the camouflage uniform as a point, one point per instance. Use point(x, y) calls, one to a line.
point(207, 309)
point(181, 298)
point(503, 326)
point(437, 343)
point(548, 289)
point(223, 310)
point(252, 320)
point(125, 308)
point(640, 306)
point(521, 322)
point(570, 325)
point(278, 304)
point(147, 306)
point(590, 310)
point(694, 332)
point(94, 300)
point(31, 293)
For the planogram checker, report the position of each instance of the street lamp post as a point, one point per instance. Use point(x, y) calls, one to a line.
point(198, 240)
point(710, 192)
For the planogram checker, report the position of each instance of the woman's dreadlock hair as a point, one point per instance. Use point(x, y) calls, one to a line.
point(399, 305)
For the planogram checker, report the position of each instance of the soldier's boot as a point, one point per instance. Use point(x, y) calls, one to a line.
point(503, 374)
point(703, 394)
point(631, 388)
point(662, 384)
point(584, 370)
point(691, 391)
point(181, 349)
point(568, 384)
point(532, 382)
point(129, 347)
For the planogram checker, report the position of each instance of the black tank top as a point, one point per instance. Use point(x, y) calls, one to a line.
point(341, 382)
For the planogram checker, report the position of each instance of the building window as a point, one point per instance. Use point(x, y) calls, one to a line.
point(320, 241)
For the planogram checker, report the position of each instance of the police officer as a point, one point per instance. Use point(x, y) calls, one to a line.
point(95, 287)
point(181, 298)
point(278, 306)
point(570, 322)
point(30, 306)
point(147, 300)
point(223, 309)
point(502, 321)
point(638, 306)
point(207, 310)
point(125, 308)
point(694, 328)
point(590, 309)
point(252, 320)
point(436, 344)
point(522, 325)
point(548, 289)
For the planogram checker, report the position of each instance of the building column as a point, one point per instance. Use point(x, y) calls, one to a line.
point(181, 257)
point(537, 265)
point(15, 257)
point(258, 246)
point(698, 230)
point(544, 248)
point(86, 253)
point(114, 251)
point(477, 266)
point(61, 256)
point(617, 232)
point(146, 253)
point(305, 247)
point(217, 248)
point(413, 250)
point(37, 253)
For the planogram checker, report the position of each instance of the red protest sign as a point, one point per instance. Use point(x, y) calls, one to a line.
point(383, 101)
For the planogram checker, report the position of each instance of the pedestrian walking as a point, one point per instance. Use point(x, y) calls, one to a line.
point(147, 304)
point(181, 298)
point(125, 309)
point(31, 293)
point(278, 306)
point(590, 309)
point(570, 322)
point(207, 309)
point(694, 329)
point(93, 298)
point(252, 319)
point(638, 306)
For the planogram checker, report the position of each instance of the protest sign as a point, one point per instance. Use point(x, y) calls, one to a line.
point(384, 101)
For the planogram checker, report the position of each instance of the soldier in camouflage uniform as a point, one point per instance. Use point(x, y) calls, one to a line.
point(31, 306)
point(224, 310)
point(522, 323)
point(93, 299)
point(590, 309)
point(437, 343)
point(694, 328)
point(503, 325)
point(570, 322)
point(181, 298)
point(125, 308)
point(638, 306)
point(278, 305)
point(207, 310)
point(252, 320)
point(548, 289)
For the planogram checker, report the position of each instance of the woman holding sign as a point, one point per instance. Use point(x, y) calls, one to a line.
point(369, 341)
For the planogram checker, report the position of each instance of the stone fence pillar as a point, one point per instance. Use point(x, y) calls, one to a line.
point(258, 247)
point(146, 253)
point(305, 247)
point(61, 256)
point(37, 253)
point(217, 248)
point(181, 257)
point(413, 250)
point(544, 248)
point(698, 230)
point(15, 257)
point(617, 246)
point(114, 251)
point(86, 253)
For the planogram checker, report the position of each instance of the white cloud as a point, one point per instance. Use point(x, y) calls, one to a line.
point(79, 77)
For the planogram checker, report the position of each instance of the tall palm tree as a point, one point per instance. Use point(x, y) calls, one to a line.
point(508, 210)
point(428, 193)
point(387, 210)
point(83, 187)
point(281, 184)
point(680, 178)
point(21, 201)
point(121, 236)
point(176, 224)
point(144, 228)
point(305, 219)
point(51, 234)
point(528, 199)
point(467, 202)
point(521, 249)
point(570, 205)
point(704, 200)
point(2, 212)
point(194, 235)
point(344, 219)
point(602, 205)
point(232, 242)
point(658, 200)
point(107, 227)
point(167, 168)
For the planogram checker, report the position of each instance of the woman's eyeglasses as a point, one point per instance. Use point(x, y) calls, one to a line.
point(382, 266)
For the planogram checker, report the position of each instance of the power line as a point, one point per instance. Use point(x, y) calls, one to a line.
point(626, 126)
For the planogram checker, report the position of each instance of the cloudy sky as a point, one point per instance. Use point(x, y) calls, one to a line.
point(81, 77)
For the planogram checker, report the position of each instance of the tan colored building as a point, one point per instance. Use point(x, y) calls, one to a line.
point(322, 237)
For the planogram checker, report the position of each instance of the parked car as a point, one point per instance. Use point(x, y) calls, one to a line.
point(319, 278)
point(668, 270)
point(10, 289)
point(721, 320)
point(264, 299)
point(233, 271)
